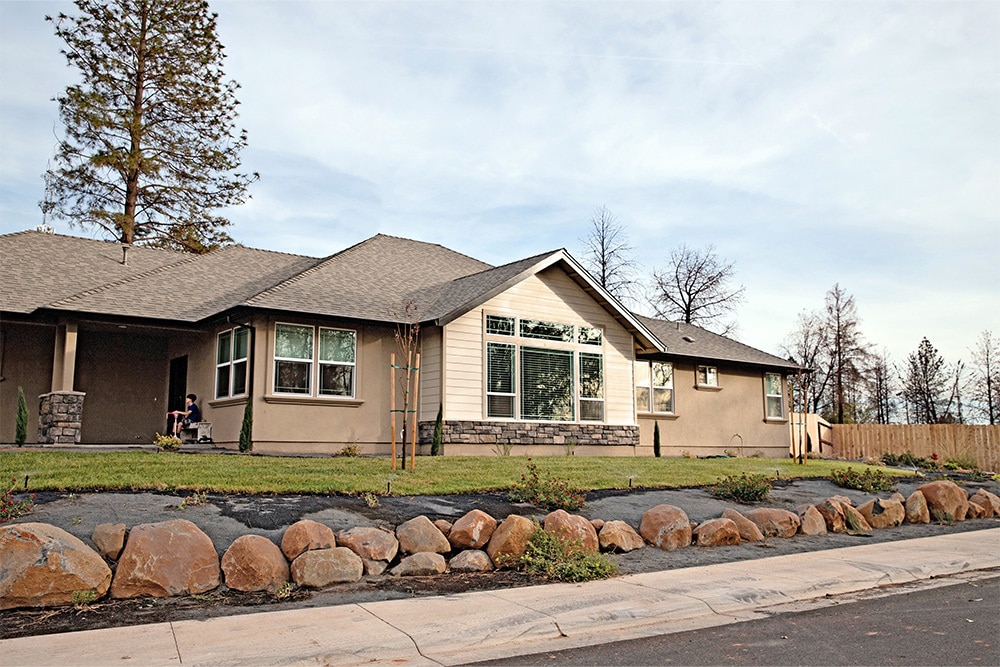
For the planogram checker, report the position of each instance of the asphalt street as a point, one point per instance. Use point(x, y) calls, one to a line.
point(956, 624)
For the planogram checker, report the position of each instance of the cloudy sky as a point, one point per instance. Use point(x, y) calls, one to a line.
point(812, 143)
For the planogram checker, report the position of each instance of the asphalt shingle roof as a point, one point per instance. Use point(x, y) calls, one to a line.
point(687, 340)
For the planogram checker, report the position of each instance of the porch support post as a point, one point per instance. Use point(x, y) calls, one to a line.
point(64, 357)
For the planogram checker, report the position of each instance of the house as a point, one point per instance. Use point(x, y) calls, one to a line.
point(534, 354)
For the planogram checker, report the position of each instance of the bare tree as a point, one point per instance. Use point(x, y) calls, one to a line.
point(806, 346)
point(847, 353)
point(881, 388)
point(607, 254)
point(696, 288)
point(985, 382)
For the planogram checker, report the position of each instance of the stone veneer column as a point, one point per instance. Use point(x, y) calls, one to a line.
point(60, 417)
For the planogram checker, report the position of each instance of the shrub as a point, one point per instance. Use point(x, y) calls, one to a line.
point(544, 491)
point(554, 557)
point(961, 463)
point(21, 421)
point(246, 430)
point(438, 432)
point(351, 450)
point(656, 439)
point(869, 480)
point(81, 599)
point(12, 508)
point(908, 460)
point(167, 443)
point(742, 488)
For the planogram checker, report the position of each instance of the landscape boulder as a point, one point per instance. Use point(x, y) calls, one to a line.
point(42, 566)
point(304, 535)
point(619, 536)
point(945, 500)
point(109, 538)
point(989, 501)
point(472, 531)
point(420, 564)
point(717, 533)
point(419, 534)
point(749, 532)
point(510, 540)
point(167, 558)
point(881, 513)
point(317, 568)
point(369, 543)
point(443, 525)
point(471, 560)
point(916, 509)
point(572, 527)
point(856, 522)
point(774, 522)
point(832, 512)
point(811, 522)
point(666, 527)
point(254, 563)
point(976, 511)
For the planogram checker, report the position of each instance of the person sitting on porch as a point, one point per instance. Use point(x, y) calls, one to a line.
point(184, 418)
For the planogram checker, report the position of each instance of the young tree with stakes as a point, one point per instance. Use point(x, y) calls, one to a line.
point(150, 146)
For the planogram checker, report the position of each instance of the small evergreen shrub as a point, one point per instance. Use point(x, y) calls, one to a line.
point(438, 432)
point(167, 443)
point(21, 421)
point(869, 480)
point(12, 508)
point(742, 488)
point(908, 460)
point(559, 559)
point(545, 491)
point(246, 430)
point(350, 451)
point(656, 439)
point(960, 463)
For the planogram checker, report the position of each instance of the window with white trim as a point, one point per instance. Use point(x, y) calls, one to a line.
point(773, 396)
point(300, 364)
point(544, 371)
point(708, 376)
point(654, 386)
point(232, 350)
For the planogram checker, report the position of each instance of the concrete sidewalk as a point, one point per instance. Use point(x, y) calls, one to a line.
point(495, 624)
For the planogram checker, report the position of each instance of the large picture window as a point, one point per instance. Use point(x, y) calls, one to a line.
point(541, 370)
point(231, 355)
point(773, 396)
point(654, 386)
point(297, 357)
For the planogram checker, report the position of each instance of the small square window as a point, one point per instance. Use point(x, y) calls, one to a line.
point(708, 376)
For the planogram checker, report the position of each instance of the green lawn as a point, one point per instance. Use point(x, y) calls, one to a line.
point(139, 471)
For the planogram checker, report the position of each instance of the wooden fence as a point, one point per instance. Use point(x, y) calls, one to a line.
point(981, 443)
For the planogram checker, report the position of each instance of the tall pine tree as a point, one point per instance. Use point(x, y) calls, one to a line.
point(150, 146)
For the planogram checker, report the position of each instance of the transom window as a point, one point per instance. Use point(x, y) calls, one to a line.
point(773, 396)
point(708, 376)
point(654, 386)
point(297, 358)
point(554, 380)
point(231, 353)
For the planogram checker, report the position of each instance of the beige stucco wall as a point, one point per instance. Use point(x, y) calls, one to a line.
point(707, 421)
point(549, 295)
point(26, 363)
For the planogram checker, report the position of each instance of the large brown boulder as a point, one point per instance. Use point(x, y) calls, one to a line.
point(666, 527)
point(254, 563)
point(811, 522)
point(305, 535)
point(168, 558)
point(572, 527)
point(881, 513)
point(619, 536)
point(856, 522)
point(916, 509)
point(471, 560)
point(946, 500)
point(990, 502)
point(749, 532)
point(774, 522)
point(832, 511)
point(420, 564)
point(317, 568)
point(717, 533)
point(510, 540)
point(976, 511)
point(42, 566)
point(369, 543)
point(472, 531)
point(109, 538)
point(419, 534)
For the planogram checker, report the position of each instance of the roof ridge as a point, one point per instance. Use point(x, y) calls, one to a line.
point(502, 266)
point(439, 245)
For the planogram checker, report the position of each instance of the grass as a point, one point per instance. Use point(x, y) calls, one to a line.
point(434, 475)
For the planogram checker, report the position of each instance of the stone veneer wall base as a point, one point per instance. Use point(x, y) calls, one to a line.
point(531, 433)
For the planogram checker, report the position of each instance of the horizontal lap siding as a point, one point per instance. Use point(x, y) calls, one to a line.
point(430, 372)
point(550, 295)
